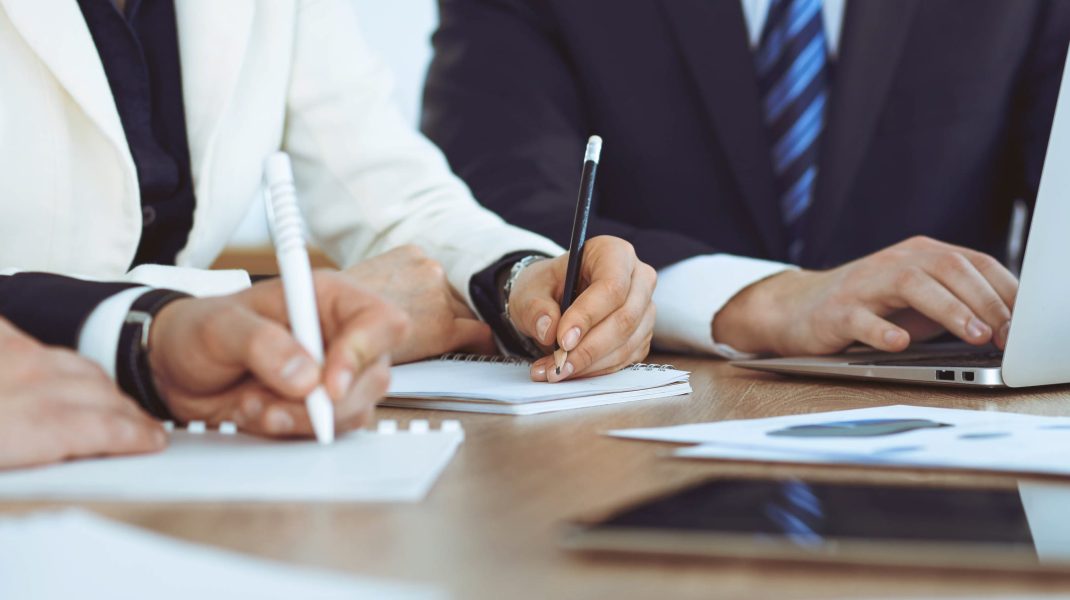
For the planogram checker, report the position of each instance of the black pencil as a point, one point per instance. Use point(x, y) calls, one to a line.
point(579, 234)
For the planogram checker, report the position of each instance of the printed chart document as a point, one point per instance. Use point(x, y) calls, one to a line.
point(388, 465)
point(75, 554)
point(906, 436)
point(503, 386)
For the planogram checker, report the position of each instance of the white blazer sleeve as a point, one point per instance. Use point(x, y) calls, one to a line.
point(369, 181)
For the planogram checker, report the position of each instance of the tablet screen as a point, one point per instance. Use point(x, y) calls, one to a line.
point(852, 522)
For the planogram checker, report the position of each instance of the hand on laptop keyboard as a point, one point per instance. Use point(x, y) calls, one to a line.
point(906, 293)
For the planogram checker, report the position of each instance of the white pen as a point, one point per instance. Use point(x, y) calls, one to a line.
point(287, 230)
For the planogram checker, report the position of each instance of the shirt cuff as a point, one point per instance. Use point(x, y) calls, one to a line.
point(692, 292)
point(99, 339)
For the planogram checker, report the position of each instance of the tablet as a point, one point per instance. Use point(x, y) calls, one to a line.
point(1014, 528)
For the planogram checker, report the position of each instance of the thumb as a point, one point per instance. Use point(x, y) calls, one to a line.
point(270, 352)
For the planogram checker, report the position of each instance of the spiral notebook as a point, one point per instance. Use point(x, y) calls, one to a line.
point(391, 464)
point(487, 384)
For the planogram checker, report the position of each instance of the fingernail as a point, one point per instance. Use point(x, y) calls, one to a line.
point(159, 438)
point(539, 372)
point(252, 407)
point(344, 380)
point(1004, 333)
point(542, 327)
point(567, 370)
point(572, 338)
point(976, 329)
point(300, 371)
point(280, 421)
point(892, 337)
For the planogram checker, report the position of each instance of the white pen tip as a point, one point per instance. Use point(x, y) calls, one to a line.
point(321, 413)
point(594, 149)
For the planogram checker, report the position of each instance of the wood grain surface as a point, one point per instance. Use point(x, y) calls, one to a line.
point(492, 525)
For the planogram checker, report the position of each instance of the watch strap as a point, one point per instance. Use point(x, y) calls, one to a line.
point(132, 368)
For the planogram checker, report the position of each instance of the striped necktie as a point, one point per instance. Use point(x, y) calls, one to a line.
point(792, 71)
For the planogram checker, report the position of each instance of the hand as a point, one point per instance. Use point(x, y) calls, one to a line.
point(232, 358)
point(56, 405)
point(608, 327)
point(909, 292)
point(442, 322)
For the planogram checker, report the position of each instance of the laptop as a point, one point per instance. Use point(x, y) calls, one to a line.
point(1038, 348)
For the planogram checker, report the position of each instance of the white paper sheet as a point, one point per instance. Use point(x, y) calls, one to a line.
point(74, 554)
point(362, 466)
point(754, 433)
point(989, 441)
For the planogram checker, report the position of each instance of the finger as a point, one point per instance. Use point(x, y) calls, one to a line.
point(91, 432)
point(268, 351)
point(866, 327)
point(611, 277)
point(540, 369)
point(368, 334)
point(636, 314)
point(929, 297)
point(258, 410)
point(963, 279)
point(634, 350)
point(1004, 282)
point(359, 403)
point(533, 307)
point(82, 393)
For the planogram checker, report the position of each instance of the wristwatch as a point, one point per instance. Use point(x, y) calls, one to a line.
point(132, 369)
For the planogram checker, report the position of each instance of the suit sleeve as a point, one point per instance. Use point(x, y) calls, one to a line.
point(369, 181)
point(501, 100)
point(52, 308)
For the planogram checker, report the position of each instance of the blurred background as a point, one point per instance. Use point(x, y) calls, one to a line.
point(400, 32)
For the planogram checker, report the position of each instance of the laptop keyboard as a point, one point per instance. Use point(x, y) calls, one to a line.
point(979, 360)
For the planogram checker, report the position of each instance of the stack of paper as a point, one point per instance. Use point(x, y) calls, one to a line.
point(908, 436)
point(365, 466)
point(504, 386)
point(58, 556)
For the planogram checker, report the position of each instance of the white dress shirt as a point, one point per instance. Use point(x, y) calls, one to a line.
point(691, 293)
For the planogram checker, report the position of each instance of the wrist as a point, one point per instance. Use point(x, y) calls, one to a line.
point(756, 318)
point(136, 372)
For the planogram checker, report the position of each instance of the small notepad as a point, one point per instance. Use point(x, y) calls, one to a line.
point(504, 386)
point(391, 464)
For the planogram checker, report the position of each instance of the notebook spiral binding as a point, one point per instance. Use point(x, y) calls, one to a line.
point(507, 360)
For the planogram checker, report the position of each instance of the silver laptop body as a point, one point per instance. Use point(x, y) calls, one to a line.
point(1038, 348)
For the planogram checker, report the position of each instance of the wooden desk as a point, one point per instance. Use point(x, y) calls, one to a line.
point(491, 526)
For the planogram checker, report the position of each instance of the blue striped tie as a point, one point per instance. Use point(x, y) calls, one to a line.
point(793, 77)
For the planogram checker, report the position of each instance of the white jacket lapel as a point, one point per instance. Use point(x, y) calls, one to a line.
point(58, 34)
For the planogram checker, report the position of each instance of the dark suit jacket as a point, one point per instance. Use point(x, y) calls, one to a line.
point(939, 118)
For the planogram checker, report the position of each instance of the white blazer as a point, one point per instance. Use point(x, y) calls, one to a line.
point(258, 76)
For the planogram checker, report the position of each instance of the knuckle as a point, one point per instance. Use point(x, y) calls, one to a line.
point(952, 263)
point(626, 320)
point(908, 277)
point(584, 358)
point(430, 268)
point(995, 307)
point(617, 290)
point(987, 264)
point(648, 273)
